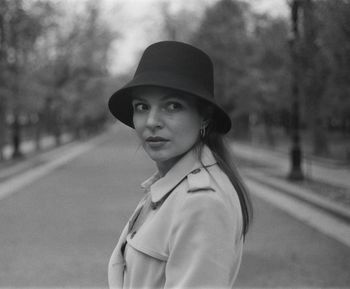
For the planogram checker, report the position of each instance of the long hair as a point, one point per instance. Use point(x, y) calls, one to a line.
point(222, 153)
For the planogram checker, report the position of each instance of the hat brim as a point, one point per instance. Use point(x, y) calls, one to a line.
point(120, 103)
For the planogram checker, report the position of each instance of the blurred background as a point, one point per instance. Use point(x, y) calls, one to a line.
point(282, 67)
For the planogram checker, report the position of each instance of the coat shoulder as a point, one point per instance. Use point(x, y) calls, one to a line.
point(211, 183)
point(199, 180)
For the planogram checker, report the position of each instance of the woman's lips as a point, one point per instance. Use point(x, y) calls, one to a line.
point(156, 141)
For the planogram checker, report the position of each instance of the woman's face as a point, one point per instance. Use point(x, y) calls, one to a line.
point(167, 124)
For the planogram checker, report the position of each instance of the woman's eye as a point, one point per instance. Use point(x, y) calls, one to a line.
point(174, 106)
point(140, 107)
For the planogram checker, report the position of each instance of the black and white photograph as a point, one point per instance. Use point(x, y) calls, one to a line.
point(159, 144)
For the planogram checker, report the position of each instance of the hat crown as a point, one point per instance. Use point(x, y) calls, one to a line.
point(173, 65)
point(177, 59)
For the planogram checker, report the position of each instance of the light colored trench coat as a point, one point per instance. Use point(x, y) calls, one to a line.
point(192, 239)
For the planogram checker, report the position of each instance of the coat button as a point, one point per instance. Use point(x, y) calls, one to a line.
point(196, 171)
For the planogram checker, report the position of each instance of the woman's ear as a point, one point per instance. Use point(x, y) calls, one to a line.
point(204, 128)
point(207, 112)
point(205, 123)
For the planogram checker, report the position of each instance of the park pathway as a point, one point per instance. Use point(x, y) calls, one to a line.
point(59, 230)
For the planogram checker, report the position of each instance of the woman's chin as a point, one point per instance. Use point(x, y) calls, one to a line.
point(158, 157)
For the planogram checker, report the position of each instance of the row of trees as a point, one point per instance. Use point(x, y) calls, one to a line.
point(53, 70)
point(252, 57)
point(54, 78)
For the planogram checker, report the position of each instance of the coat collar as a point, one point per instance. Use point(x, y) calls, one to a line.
point(159, 186)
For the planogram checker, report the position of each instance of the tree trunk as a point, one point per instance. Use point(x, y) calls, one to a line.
point(270, 139)
point(315, 79)
point(2, 128)
point(16, 138)
point(38, 132)
point(57, 129)
point(57, 134)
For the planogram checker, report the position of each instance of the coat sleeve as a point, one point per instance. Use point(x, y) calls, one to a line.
point(203, 252)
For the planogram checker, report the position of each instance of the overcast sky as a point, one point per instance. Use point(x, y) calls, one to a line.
point(138, 23)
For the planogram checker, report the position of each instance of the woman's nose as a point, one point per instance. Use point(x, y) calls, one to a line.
point(154, 118)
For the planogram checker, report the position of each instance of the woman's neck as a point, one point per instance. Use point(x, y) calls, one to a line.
point(165, 166)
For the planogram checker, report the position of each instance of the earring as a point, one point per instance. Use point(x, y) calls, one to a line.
point(202, 131)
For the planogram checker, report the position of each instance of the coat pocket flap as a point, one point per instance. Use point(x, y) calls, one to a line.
point(148, 249)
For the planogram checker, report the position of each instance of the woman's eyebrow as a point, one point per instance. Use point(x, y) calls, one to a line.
point(138, 98)
point(171, 95)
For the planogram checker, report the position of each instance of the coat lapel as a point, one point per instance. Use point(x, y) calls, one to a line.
point(116, 264)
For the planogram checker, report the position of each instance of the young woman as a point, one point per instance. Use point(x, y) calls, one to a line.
point(189, 228)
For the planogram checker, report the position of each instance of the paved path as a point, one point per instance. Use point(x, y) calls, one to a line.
point(28, 147)
point(338, 176)
point(59, 230)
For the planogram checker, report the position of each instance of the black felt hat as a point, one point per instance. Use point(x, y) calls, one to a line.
point(174, 65)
